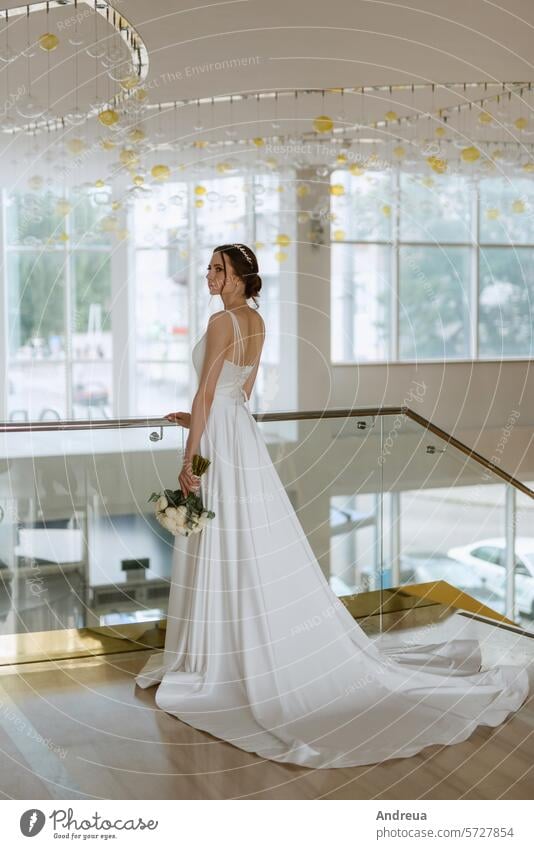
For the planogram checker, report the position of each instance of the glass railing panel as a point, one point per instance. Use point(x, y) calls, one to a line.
point(446, 517)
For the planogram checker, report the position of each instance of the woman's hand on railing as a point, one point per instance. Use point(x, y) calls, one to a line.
point(183, 419)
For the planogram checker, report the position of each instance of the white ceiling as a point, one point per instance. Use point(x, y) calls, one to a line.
point(286, 44)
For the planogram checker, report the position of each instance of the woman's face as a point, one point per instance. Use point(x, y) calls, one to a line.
point(215, 275)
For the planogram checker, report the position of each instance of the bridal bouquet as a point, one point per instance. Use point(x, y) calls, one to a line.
point(179, 513)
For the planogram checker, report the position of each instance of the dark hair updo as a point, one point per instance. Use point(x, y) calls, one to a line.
point(245, 265)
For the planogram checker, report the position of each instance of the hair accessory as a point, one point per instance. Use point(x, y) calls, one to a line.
point(245, 254)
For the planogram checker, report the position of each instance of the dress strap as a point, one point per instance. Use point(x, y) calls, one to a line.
point(239, 336)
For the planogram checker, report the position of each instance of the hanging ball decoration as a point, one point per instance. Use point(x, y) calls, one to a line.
point(337, 189)
point(48, 41)
point(75, 146)
point(63, 237)
point(200, 144)
point(136, 134)
point(497, 154)
point(283, 240)
point(99, 184)
point(470, 154)
point(341, 159)
point(323, 124)
point(386, 210)
point(438, 165)
point(399, 151)
point(128, 83)
point(109, 223)
point(128, 156)
point(303, 190)
point(440, 132)
point(116, 205)
point(222, 167)
point(141, 94)
point(356, 170)
point(492, 214)
point(518, 206)
point(160, 172)
point(107, 144)
point(258, 141)
point(138, 180)
point(199, 203)
point(281, 256)
point(338, 235)
point(303, 217)
point(521, 123)
point(391, 116)
point(271, 162)
point(108, 117)
point(485, 118)
point(200, 190)
point(63, 207)
point(529, 167)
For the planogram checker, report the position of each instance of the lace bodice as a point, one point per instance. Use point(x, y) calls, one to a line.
point(233, 376)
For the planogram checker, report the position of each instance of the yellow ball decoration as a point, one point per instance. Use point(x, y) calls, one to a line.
point(75, 146)
point(63, 207)
point(399, 151)
point(128, 156)
point(283, 240)
point(303, 191)
point(271, 162)
point(63, 237)
point(116, 205)
point(529, 167)
point(438, 165)
point(386, 210)
point(440, 132)
point(108, 117)
point(470, 154)
point(323, 124)
point(259, 246)
point(338, 235)
point(136, 135)
point(200, 190)
point(391, 116)
point(107, 144)
point(48, 41)
point(337, 190)
point(200, 144)
point(521, 123)
point(138, 180)
point(280, 256)
point(199, 203)
point(492, 214)
point(222, 167)
point(141, 94)
point(485, 118)
point(128, 83)
point(160, 172)
point(35, 182)
point(341, 159)
point(518, 206)
point(356, 170)
point(258, 141)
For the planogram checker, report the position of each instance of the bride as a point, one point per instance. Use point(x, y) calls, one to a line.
point(259, 651)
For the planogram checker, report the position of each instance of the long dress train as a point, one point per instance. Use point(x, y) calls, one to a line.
point(260, 652)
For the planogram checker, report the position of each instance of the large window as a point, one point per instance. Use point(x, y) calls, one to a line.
point(175, 231)
point(58, 281)
point(431, 267)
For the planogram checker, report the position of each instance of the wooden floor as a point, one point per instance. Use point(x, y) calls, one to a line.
point(79, 728)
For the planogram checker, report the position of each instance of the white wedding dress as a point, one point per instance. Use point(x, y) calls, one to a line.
point(260, 652)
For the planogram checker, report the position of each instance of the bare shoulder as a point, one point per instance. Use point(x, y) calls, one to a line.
point(219, 330)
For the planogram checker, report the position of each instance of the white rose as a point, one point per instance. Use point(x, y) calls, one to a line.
point(168, 523)
point(172, 513)
point(161, 503)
